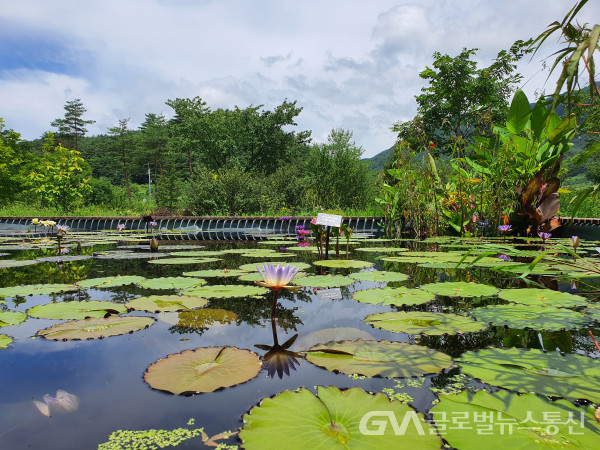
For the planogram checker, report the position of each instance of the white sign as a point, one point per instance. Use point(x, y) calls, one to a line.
point(330, 220)
point(332, 294)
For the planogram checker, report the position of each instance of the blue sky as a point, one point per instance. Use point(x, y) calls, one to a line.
point(350, 64)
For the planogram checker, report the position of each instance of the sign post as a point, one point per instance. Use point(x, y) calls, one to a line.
point(328, 220)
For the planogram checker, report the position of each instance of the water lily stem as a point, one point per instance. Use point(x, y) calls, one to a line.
point(594, 339)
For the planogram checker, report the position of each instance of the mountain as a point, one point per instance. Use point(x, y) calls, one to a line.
point(380, 159)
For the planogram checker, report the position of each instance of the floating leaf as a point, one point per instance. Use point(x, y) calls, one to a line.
point(460, 289)
point(548, 373)
point(266, 254)
point(333, 419)
point(394, 296)
point(108, 282)
point(11, 318)
point(537, 317)
point(323, 281)
point(546, 297)
point(382, 249)
point(504, 419)
point(129, 255)
point(227, 291)
point(64, 258)
point(36, 289)
point(200, 318)
point(431, 323)
point(205, 369)
point(343, 263)
point(252, 266)
point(196, 253)
point(171, 283)
point(8, 263)
point(379, 276)
point(213, 273)
point(330, 334)
point(94, 328)
point(155, 303)
point(5, 340)
point(174, 261)
point(378, 358)
point(76, 310)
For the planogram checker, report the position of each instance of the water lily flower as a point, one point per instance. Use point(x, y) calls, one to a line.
point(120, 227)
point(62, 228)
point(277, 277)
point(575, 242)
point(35, 221)
point(505, 228)
point(306, 244)
point(504, 257)
point(544, 236)
point(153, 224)
point(285, 218)
point(153, 245)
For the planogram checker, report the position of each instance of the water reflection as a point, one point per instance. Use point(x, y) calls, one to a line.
point(278, 359)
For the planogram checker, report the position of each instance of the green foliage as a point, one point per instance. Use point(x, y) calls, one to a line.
point(72, 127)
point(62, 178)
point(10, 162)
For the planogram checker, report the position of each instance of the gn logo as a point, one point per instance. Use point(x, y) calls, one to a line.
point(374, 423)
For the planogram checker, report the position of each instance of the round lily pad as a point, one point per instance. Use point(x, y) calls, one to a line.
point(379, 276)
point(545, 297)
point(200, 318)
point(5, 340)
point(155, 303)
point(333, 419)
point(205, 369)
point(76, 310)
point(460, 289)
point(64, 258)
point(198, 253)
point(227, 291)
point(8, 263)
point(524, 420)
point(184, 260)
point(378, 358)
point(107, 282)
point(129, 255)
point(382, 249)
point(432, 323)
point(343, 263)
point(252, 266)
point(96, 327)
point(171, 283)
point(11, 318)
point(214, 273)
point(393, 296)
point(537, 317)
point(548, 373)
point(265, 254)
point(323, 281)
point(36, 289)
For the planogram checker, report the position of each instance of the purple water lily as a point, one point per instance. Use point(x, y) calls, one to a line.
point(544, 236)
point(276, 277)
point(505, 228)
point(504, 257)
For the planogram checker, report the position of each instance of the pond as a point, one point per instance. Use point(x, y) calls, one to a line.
point(443, 327)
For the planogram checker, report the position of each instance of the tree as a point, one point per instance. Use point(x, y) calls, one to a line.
point(72, 127)
point(462, 100)
point(122, 145)
point(10, 162)
point(339, 177)
point(152, 142)
point(62, 178)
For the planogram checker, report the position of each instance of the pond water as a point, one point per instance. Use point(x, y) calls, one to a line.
point(107, 375)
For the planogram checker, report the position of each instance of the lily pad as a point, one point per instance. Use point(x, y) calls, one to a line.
point(36, 289)
point(379, 276)
point(323, 281)
point(545, 297)
point(382, 249)
point(343, 263)
point(9, 263)
point(252, 266)
point(5, 340)
point(333, 419)
point(227, 291)
point(504, 419)
point(378, 358)
point(171, 283)
point(330, 334)
point(96, 327)
point(200, 318)
point(198, 253)
point(76, 310)
point(537, 317)
point(548, 373)
point(107, 282)
point(64, 258)
point(394, 296)
point(155, 303)
point(190, 260)
point(432, 323)
point(214, 273)
point(205, 369)
point(11, 318)
point(129, 255)
point(460, 289)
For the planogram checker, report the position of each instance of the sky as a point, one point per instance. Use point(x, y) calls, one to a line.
point(350, 64)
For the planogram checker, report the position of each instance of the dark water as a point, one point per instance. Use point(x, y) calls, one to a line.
point(106, 375)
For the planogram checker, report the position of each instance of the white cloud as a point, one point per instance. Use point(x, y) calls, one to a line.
point(349, 63)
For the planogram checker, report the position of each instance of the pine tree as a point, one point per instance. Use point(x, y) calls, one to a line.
point(72, 127)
